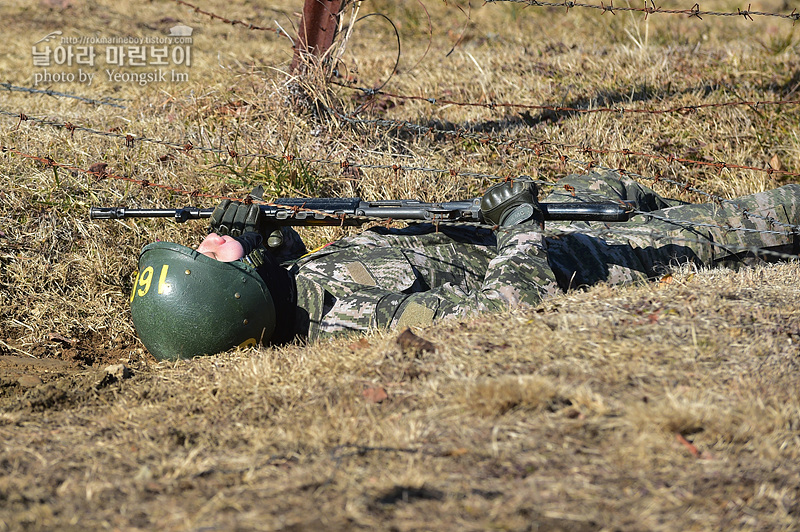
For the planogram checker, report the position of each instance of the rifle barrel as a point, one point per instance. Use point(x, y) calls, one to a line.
point(121, 213)
point(587, 212)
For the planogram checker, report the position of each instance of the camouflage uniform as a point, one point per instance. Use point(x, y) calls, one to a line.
point(397, 277)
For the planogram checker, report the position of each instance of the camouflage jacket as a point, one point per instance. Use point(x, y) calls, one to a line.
point(395, 278)
point(399, 277)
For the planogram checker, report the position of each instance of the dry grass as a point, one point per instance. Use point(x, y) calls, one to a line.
point(660, 407)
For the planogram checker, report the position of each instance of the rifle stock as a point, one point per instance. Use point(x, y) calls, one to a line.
point(355, 211)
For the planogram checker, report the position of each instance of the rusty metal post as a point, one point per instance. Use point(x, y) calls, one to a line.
point(317, 29)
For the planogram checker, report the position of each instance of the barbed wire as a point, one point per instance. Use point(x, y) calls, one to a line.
point(683, 109)
point(102, 174)
point(107, 100)
point(538, 148)
point(146, 183)
point(345, 164)
point(684, 187)
point(69, 126)
point(652, 8)
point(233, 22)
point(541, 146)
point(188, 146)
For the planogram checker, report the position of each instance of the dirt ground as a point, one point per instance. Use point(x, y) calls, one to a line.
point(42, 383)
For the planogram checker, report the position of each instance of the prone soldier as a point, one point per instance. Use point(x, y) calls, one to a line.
point(248, 283)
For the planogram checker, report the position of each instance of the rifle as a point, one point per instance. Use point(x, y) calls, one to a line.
point(355, 211)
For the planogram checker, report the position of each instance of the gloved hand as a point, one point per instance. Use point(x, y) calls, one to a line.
point(511, 203)
point(235, 218)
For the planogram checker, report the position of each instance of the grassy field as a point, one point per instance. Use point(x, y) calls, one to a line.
point(667, 406)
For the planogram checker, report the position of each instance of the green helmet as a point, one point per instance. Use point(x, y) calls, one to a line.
point(186, 304)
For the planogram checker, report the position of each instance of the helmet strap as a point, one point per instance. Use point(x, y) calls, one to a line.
point(256, 257)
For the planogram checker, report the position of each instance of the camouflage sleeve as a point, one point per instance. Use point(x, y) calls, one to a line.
point(647, 246)
point(518, 275)
point(721, 234)
point(605, 186)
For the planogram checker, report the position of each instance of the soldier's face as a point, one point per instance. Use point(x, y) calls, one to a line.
point(222, 248)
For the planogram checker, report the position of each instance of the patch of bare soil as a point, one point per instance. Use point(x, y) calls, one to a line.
point(64, 377)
